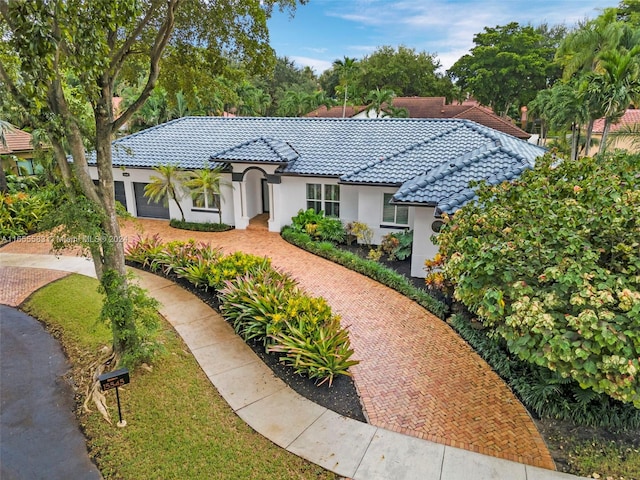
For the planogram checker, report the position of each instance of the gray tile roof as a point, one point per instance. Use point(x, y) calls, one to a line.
point(408, 153)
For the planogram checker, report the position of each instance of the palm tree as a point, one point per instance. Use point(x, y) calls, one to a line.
point(379, 100)
point(346, 70)
point(181, 109)
point(616, 84)
point(163, 186)
point(321, 98)
point(204, 185)
point(293, 103)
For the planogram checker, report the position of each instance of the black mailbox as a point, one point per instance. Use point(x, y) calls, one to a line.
point(114, 379)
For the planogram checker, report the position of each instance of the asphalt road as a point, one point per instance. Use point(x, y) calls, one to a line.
point(39, 434)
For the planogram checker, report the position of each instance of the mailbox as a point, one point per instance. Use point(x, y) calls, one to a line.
point(114, 379)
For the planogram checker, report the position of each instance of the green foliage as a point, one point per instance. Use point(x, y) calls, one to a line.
point(133, 317)
point(369, 268)
point(269, 307)
point(319, 226)
point(319, 351)
point(330, 229)
point(544, 392)
point(259, 301)
point(551, 264)
point(255, 303)
point(165, 186)
point(200, 226)
point(508, 66)
point(144, 251)
point(22, 213)
point(306, 217)
point(228, 267)
point(398, 245)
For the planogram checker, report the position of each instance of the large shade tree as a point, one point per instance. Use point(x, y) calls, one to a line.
point(48, 44)
point(508, 66)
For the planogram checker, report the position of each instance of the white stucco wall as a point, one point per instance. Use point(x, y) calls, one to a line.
point(129, 176)
point(370, 207)
point(423, 247)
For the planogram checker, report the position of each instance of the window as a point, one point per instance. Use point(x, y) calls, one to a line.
point(207, 200)
point(314, 196)
point(332, 200)
point(394, 214)
point(327, 198)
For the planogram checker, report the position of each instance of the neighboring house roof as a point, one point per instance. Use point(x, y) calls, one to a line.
point(393, 152)
point(18, 141)
point(435, 107)
point(630, 117)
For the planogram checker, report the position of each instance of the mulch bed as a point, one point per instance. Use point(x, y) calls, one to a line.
point(341, 397)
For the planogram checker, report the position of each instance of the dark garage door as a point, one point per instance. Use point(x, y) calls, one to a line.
point(146, 207)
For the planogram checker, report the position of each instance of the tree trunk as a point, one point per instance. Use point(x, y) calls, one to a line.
point(588, 139)
point(3, 179)
point(605, 134)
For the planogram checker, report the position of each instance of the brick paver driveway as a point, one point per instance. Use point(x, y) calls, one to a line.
point(416, 375)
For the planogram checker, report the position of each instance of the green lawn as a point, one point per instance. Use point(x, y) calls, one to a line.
point(178, 426)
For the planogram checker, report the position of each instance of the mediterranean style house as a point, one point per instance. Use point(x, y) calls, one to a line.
point(392, 174)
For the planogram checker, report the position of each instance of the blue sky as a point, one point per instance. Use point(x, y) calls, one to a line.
point(326, 30)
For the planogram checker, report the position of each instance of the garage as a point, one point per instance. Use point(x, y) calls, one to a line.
point(146, 207)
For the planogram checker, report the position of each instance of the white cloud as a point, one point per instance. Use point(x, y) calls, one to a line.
point(317, 65)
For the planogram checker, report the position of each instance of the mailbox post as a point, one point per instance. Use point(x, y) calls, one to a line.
point(115, 379)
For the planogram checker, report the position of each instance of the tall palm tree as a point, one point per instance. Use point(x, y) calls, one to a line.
point(204, 184)
point(165, 186)
point(616, 84)
point(346, 70)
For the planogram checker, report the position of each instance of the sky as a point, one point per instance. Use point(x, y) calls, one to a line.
point(326, 30)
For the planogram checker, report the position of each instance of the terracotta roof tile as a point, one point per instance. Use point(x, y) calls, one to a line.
point(630, 117)
point(436, 107)
point(18, 141)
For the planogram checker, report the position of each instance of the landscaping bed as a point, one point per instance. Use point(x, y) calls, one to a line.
point(341, 397)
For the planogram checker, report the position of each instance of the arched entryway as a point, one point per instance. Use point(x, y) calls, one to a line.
point(253, 194)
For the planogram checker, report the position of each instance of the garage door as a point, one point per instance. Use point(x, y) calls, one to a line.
point(146, 207)
point(120, 195)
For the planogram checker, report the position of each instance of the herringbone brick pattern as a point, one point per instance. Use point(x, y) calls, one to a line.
point(16, 283)
point(416, 375)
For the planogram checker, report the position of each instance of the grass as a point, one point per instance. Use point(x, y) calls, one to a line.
point(612, 460)
point(178, 426)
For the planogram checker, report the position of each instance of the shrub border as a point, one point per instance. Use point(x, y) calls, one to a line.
point(369, 268)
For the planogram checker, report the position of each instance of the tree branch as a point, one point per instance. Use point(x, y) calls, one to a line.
point(161, 40)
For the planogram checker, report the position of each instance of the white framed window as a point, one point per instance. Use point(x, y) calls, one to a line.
point(207, 201)
point(324, 197)
point(394, 214)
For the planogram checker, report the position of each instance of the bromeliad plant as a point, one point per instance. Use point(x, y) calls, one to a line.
point(268, 306)
point(263, 304)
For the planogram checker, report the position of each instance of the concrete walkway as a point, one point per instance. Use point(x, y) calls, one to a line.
point(347, 447)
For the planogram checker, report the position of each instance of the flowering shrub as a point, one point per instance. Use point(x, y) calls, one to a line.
point(551, 263)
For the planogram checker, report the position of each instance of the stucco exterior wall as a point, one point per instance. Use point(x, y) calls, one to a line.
point(129, 176)
point(423, 247)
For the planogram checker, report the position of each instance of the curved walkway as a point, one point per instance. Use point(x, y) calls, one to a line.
point(416, 375)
